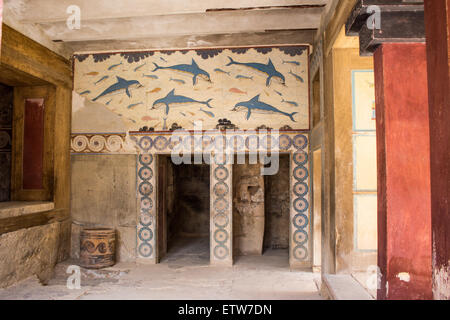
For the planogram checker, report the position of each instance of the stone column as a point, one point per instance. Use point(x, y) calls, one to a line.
point(437, 17)
point(221, 220)
point(403, 148)
point(147, 213)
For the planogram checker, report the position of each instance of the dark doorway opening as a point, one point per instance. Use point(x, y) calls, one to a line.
point(6, 115)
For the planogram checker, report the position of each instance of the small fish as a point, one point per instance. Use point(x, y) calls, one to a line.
point(134, 121)
point(291, 62)
point(236, 90)
point(183, 114)
point(137, 68)
point(208, 113)
point(295, 104)
point(93, 73)
point(152, 76)
point(134, 105)
point(85, 92)
point(222, 71)
point(243, 77)
point(279, 93)
point(162, 59)
point(297, 77)
point(192, 114)
point(103, 78)
point(155, 90)
point(178, 80)
point(157, 124)
point(119, 114)
point(114, 66)
point(108, 102)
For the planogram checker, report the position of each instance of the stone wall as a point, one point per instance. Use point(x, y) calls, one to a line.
point(248, 209)
point(33, 251)
point(6, 101)
point(277, 207)
point(104, 195)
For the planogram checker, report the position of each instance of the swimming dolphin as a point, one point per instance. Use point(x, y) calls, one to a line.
point(120, 86)
point(192, 68)
point(268, 69)
point(260, 107)
point(171, 98)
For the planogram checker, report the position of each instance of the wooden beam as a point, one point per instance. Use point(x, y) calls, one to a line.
point(32, 220)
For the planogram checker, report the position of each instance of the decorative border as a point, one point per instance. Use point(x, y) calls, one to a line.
point(98, 143)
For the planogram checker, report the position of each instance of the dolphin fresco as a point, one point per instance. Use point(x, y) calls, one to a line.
point(120, 86)
point(192, 68)
point(171, 98)
point(268, 69)
point(256, 106)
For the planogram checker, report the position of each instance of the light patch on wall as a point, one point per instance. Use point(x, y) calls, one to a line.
point(404, 276)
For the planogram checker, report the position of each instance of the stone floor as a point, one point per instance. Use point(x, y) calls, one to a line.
point(183, 274)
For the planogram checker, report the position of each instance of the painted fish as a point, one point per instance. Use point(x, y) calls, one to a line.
point(257, 106)
point(137, 68)
point(103, 78)
point(120, 86)
point(85, 92)
point(93, 73)
point(218, 70)
point(178, 80)
point(114, 66)
point(192, 68)
point(268, 69)
point(208, 113)
point(297, 76)
point(236, 90)
point(171, 98)
point(291, 62)
point(243, 77)
point(155, 90)
point(134, 105)
point(183, 114)
point(108, 102)
point(152, 76)
point(162, 59)
point(295, 104)
point(279, 93)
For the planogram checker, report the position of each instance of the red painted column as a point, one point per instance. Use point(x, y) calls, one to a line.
point(403, 148)
point(437, 18)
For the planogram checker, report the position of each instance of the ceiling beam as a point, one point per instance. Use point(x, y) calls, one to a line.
point(186, 24)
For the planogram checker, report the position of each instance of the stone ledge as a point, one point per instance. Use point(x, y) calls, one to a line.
point(344, 287)
point(18, 208)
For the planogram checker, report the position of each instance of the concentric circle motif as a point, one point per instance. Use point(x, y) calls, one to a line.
point(102, 247)
point(301, 205)
point(220, 159)
point(80, 143)
point(146, 143)
point(300, 252)
point(145, 173)
point(145, 188)
point(88, 246)
point(252, 143)
point(114, 143)
point(300, 221)
point(145, 159)
point(221, 173)
point(146, 219)
point(221, 220)
point(146, 203)
point(97, 143)
point(145, 250)
point(207, 143)
point(300, 237)
point(221, 205)
point(175, 141)
point(237, 143)
point(268, 142)
point(300, 173)
point(300, 158)
point(145, 234)
point(221, 252)
point(284, 142)
point(300, 189)
point(221, 189)
point(300, 141)
point(220, 144)
point(221, 236)
point(161, 143)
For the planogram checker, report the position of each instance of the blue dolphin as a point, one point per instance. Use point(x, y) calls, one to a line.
point(171, 98)
point(260, 107)
point(120, 86)
point(268, 69)
point(192, 68)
